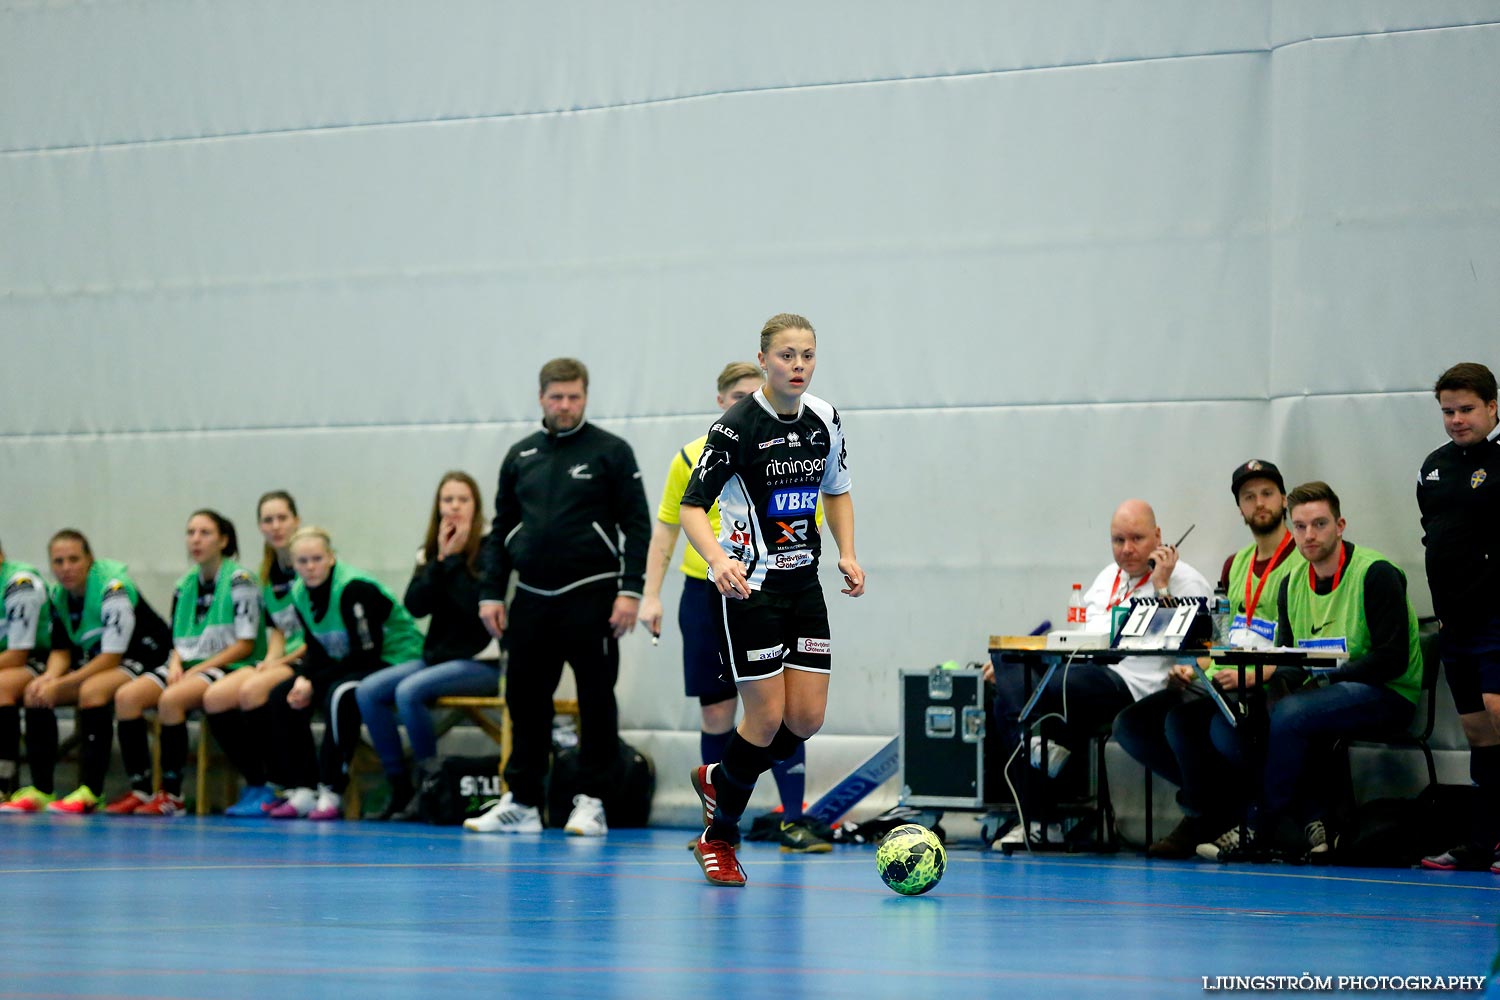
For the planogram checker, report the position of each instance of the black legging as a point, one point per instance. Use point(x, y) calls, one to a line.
point(300, 764)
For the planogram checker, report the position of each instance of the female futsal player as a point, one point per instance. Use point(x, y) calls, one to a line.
point(698, 618)
point(215, 630)
point(766, 462)
point(104, 634)
point(236, 706)
point(354, 627)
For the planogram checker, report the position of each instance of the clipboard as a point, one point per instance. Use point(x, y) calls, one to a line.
point(1213, 692)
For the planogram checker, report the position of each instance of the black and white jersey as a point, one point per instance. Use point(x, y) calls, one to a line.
point(766, 471)
point(25, 598)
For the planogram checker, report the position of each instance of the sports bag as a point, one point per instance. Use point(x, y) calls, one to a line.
point(456, 788)
point(632, 786)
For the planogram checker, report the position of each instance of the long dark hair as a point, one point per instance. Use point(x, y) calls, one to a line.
point(476, 523)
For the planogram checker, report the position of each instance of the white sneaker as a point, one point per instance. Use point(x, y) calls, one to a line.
point(1056, 834)
point(1057, 756)
point(1317, 837)
point(587, 817)
point(1223, 848)
point(1014, 837)
point(506, 816)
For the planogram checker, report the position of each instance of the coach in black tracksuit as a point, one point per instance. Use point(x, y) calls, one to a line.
point(571, 520)
point(1458, 491)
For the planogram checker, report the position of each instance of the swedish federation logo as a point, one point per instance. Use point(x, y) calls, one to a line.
point(1476, 479)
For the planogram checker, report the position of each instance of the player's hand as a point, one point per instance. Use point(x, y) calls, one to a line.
point(174, 672)
point(493, 617)
point(988, 671)
point(729, 577)
point(853, 576)
point(34, 695)
point(622, 617)
point(1180, 675)
point(300, 696)
point(650, 615)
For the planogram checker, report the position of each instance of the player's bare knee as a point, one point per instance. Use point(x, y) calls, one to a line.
point(130, 701)
point(804, 723)
point(719, 717)
point(1482, 729)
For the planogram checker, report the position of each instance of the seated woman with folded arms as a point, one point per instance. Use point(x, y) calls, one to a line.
point(104, 634)
point(354, 627)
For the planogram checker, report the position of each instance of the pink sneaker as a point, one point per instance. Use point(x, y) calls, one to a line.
point(298, 803)
point(330, 806)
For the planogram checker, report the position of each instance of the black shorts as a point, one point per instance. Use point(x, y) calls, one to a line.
point(159, 675)
point(703, 674)
point(1471, 661)
point(36, 666)
point(767, 633)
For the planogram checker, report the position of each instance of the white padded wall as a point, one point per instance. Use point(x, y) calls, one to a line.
point(1058, 255)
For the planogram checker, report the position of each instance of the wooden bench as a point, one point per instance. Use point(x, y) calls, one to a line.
point(204, 763)
point(479, 711)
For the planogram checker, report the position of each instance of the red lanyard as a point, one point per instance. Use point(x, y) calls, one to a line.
point(1129, 590)
point(1251, 603)
point(1312, 578)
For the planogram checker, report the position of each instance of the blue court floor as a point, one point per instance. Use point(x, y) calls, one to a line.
point(213, 908)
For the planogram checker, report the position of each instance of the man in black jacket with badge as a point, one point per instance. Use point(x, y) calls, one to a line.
point(571, 521)
point(1458, 490)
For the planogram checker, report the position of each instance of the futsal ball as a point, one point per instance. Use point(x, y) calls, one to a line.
point(911, 859)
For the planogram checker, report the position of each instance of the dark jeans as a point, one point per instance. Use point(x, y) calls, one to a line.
point(542, 634)
point(1169, 732)
point(1303, 727)
point(1094, 696)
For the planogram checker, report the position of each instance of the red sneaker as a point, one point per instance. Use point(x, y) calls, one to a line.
point(78, 802)
point(705, 789)
point(718, 862)
point(162, 804)
point(128, 803)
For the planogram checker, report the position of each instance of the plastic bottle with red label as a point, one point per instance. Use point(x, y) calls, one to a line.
point(1077, 610)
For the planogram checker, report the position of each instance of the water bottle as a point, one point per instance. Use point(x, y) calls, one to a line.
point(1222, 617)
point(1077, 610)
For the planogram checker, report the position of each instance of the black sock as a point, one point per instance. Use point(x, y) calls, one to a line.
point(10, 746)
point(41, 747)
point(135, 754)
point(784, 744)
point(1484, 769)
point(97, 726)
point(232, 732)
point(401, 790)
point(257, 763)
point(734, 778)
point(174, 749)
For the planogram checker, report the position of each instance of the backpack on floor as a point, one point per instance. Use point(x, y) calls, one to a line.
point(632, 787)
point(456, 788)
point(1398, 833)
